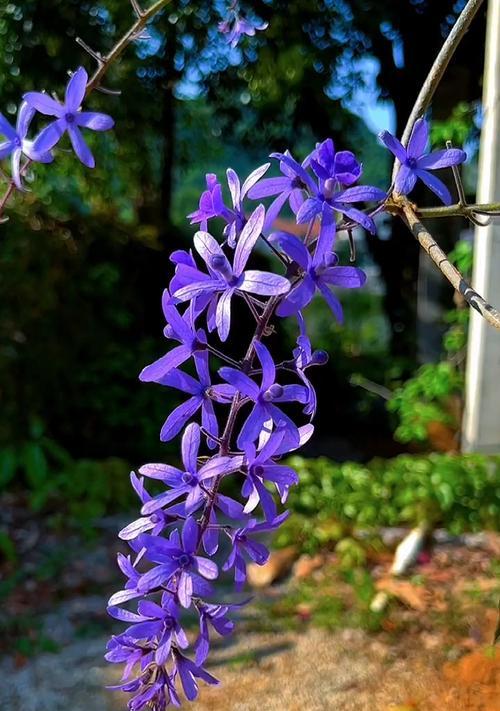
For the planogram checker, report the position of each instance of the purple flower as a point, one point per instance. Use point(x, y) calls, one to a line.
point(188, 673)
point(416, 163)
point(216, 615)
point(305, 357)
point(320, 272)
point(236, 26)
point(264, 412)
point(243, 543)
point(224, 280)
point(289, 187)
point(202, 394)
point(211, 203)
point(326, 199)
point(69, 118)
point(180, 329)
point(261, 468)
point(18, 145)
point(154, 622)
point(156, 522)
point(176, 558)
point(154, 689)
point(342, 167)
point(188, 482)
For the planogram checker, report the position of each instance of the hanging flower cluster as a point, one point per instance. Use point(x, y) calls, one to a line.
point(235, 25)
point(242, 415)
point(68, 117)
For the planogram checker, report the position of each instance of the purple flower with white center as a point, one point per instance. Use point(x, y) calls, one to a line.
point(225, 280)
point(416, 163)
point(235, 26)
point(342, 167)
point(187, 482)
point(18, 145)
point(243, 543)
point(68, 118)
point(320, 272)
point(202, 394)
point(179, 329)
point(289, 186)
point(326, 199)
point(176, 558)
point(261, 468)
point(156, 522)
point(264, 411)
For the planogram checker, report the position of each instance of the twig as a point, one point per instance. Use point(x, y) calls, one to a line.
point(429, 244)
point(457, 210)
point(122, 44)
point(438, 69)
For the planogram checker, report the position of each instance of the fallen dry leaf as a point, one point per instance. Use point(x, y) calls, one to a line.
point(412, 595)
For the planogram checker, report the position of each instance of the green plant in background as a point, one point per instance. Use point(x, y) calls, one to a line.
point(49, 477)
point(335, 501)
point(432, 394)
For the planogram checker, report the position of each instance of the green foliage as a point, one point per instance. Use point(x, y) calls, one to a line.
point(458, 128)
point(423, 399)
point(459, 492)
point(73, 493)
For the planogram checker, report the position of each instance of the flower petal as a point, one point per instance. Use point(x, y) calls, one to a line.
point(178, 417)
point(94, 120)
point(249, 236)
point(442, 159)
point(155, 371)
point(418, 139)
point(49, 136)
point(44, 104)
point(223, 314)
point(293, 247)
point(75, 91)
point(268, 187)
point(263, 283)
point(80, 147)
point(394, 145)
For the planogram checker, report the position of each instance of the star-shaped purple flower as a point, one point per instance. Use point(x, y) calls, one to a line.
point(326, 199)
point(236, 26)
point(176, 558)
point(243, 543)
point(17, 143)
point(416, 163)
point(202, 394)
point(342, 167)
point(320, 272)
point(261, 468)
point(187, 482)
point(224, 279)
point(180, 328)
point(156, 522)
point(68, 118)
point(264, 411)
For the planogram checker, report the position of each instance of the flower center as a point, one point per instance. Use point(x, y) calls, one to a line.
point(187, 478)
point(184, 560)
point(17, 142)
point(70, 118)
point(297, 183)
point(258, 470)
point(411, 163)
point(155, 518)
point(273, 392)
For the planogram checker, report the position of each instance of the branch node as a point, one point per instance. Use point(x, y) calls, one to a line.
point(96, 56)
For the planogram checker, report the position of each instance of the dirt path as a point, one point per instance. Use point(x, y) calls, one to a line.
point(312, 671)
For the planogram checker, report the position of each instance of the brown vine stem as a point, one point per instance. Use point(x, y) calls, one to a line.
point(438, 69)
point(429, 244)
point(459, 210)
point(103, 64)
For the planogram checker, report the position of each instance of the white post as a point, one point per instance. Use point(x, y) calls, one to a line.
point(481, 425)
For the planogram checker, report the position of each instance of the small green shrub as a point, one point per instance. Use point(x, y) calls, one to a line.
point(459, 492)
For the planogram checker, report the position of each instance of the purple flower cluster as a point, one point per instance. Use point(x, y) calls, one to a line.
point(68, 118)
point(235, 26)
point(197, 527)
